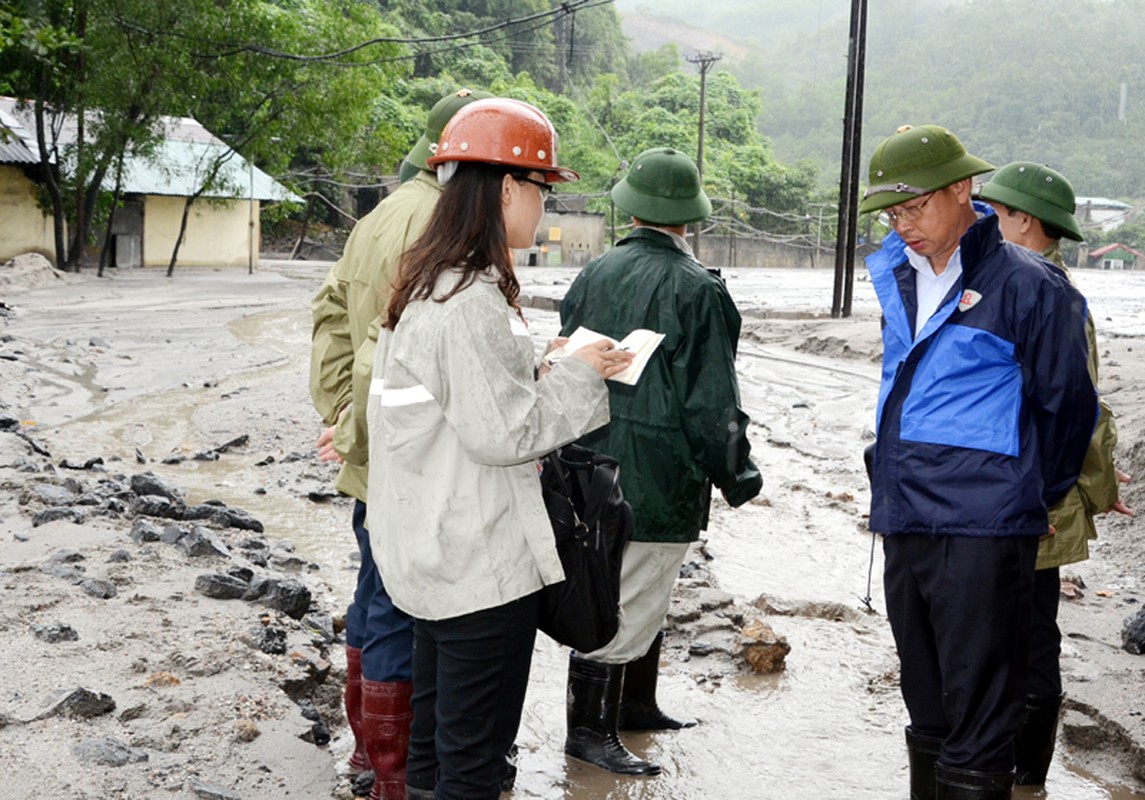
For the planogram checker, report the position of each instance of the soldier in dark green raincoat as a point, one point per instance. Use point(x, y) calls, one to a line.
point(677, 432)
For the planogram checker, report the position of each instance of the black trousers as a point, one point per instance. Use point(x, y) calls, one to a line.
point(959, 608)
point(1045, 677)
point(469, 679)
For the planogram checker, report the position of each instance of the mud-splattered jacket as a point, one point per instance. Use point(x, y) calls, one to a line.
point(984, 419)
point(456, 422)
point(680, 428)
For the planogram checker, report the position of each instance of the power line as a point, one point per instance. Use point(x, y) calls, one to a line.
point(226, 49)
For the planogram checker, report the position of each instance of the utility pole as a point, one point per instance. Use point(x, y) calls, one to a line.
point(849, 172)
point(705, 62)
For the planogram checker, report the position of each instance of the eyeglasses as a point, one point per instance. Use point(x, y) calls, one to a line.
point(905, 213)
point(546, 188)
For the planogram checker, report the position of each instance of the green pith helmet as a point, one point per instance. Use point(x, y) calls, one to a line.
point(442, 111)
point(1036, 190)
point(916, 161)
point(662, 187)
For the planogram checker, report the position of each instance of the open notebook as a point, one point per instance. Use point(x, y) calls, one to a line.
point(641, 342)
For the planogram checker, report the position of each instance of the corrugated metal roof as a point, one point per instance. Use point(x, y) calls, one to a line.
point(179, 168)
point(179, 165)
point(13, 149)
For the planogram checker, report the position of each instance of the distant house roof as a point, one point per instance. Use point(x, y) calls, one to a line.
point(13, 141)
point(1099, 252)
point(176, 168)
point(1102, 202)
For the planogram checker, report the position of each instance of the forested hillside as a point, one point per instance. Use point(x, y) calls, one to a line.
point(1058, 81)
point(329, 95)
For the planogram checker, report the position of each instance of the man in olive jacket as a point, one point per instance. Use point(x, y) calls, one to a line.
point(1035, 206)
point(676, 432)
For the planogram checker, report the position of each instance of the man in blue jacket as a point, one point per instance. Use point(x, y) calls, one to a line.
point(985, 413)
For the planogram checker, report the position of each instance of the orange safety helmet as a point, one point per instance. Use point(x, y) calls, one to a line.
point(502, 131)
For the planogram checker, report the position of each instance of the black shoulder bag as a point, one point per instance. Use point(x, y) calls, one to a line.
point(592, 523)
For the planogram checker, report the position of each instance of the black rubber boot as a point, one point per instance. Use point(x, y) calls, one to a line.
point(922, 754)
point(593, 710)
point(965, 784)
point(638, 709)
point(1034, 744)
point(414, 793)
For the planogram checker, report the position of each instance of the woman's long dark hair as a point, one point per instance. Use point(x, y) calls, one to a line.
point(466, 232)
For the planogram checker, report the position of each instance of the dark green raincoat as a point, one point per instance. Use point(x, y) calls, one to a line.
point(680, 429)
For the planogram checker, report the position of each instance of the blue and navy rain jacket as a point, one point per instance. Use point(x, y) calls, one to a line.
point(984, 419)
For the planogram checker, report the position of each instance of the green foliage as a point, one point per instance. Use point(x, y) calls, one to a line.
point(288, 84)
point(1033, 80)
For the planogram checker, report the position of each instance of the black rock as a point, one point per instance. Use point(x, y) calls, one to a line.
point(362, 784)
point(200, 511)
point(52, 495)
point(319, 734)
point(242, 573)
point(289, 596)
point(237, 518)
point(108, 752)
point(119, 557)
point(91, 463)
point(55, 633)
point(67, 557)
point(221, 587)
point(104, 590)
point(320, 624)
point(201, 542)
point(271, 641)
point(9, 423)
point(209, 791)
point(59, 513)
point(68, 572)
point(144, 530)
point(153, 505)
point(84, 704)
point(172, 534)
point(1133, 634)
point(258, 587)
point(238, 441)
point(148, 483)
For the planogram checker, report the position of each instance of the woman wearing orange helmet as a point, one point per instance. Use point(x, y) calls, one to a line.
point(456, 422)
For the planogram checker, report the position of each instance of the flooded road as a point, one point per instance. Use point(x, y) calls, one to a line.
point(830, 726)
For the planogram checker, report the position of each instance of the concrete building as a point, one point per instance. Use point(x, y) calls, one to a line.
point(222, 227)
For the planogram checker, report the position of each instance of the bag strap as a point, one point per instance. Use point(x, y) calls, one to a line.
point(554, 465)
point(602, 485)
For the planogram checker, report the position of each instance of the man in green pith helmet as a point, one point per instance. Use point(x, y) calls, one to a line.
point(676, 432)
point(984, 416)
point(378, 634)
point(1035, 206)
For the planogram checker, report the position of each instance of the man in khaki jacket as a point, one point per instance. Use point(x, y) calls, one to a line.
point(378, 635)
point(1035, 207)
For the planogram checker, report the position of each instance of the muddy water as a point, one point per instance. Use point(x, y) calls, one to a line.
point(830, 726)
